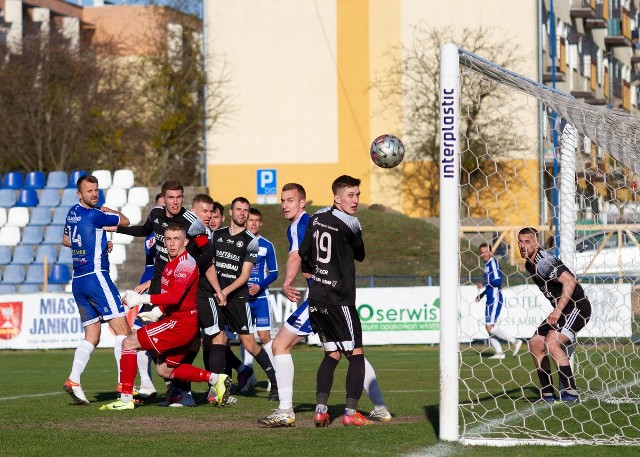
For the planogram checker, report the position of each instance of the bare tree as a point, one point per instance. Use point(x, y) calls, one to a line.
point(482, 144)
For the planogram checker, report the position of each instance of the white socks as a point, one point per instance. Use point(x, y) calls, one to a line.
point(371, 385)
point(117, 351)
point(495, 344)
point(144, 368)
point(267, 349)
point(247, 358)
point(502, 334)
point(80, 360)
point(283, 364)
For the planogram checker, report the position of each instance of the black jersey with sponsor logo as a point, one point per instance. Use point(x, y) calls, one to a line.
point(545, 271)
point(231, 252)
point(157, 222)
point(332, 243)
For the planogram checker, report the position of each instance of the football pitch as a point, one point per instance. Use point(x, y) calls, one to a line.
point(38, 418)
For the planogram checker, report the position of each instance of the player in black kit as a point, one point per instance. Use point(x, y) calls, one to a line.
point(557, 334)
point(236, 251)
point(332, 243)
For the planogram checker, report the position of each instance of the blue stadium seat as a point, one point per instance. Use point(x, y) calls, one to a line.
point(53, 234)
point(40, 215)
point(35, 180)
point(5, 255)
point(64, 256)
point(55, 288)
point(60, 215)
point(22, 255)
point(69, 197)
point(49, 197)
point(35, 274)
point(74, 176)
point(7, 198)
point(59, 274)
point(13, 274)
point(32, 234)
point(100, 198)
point(57, 180)
point(27, 197)
point(13, 180)
point(28, 288)
point(7, 289)
point(48, 250)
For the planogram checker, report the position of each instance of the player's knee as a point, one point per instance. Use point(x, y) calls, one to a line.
point(536, 345)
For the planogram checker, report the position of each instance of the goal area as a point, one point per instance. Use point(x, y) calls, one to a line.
point(515, 153)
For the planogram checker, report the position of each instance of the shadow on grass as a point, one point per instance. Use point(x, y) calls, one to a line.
point(432, 414)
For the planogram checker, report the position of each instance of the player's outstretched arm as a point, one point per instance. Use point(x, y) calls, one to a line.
point(124, 220)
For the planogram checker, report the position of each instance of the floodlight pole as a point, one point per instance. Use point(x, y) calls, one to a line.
point(449, 240)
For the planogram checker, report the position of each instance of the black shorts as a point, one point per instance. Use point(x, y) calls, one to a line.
point(338, 326)
point(237, 316)
point(569, 323)
point(209, 315)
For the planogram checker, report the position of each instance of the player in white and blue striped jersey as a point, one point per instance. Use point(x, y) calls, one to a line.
point(492, 283)
point(96, 296)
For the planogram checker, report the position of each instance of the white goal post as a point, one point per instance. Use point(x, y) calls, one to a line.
point(491, 402)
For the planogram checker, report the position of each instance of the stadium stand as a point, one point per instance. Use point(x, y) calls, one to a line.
point(32, 235)
point(7, 198)
point(122, 179)
point(35, 273)
point(49, 251)
point(7, 289)
point(27, 288)
point(59, 274)
point(53, 234)
point(60, 215)
point(115, 198)
point(18, 216)
point(49, 197)
point(64, 256)
point(104, 178)
point(133, 213)
point(13, 180)
point(118, 255)
point(23, 255)
point(73, 178)
point(55, 288)
point(100, 198)
point(40, 215)
point(3, 216)
point(69, 197)
point(13, 274)
point(121, 238)
point(27, 198)
point(138, 196)
point(5, 255)
point(9, 235)
point(35, 180)
point(56, 180)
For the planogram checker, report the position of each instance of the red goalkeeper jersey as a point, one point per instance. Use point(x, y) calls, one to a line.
point(179, 288)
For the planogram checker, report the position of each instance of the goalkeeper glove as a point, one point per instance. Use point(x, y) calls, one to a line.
point(151, 316)
point(197, 228)
point(133, 299)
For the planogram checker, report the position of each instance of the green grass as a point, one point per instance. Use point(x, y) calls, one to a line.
point(37, 418)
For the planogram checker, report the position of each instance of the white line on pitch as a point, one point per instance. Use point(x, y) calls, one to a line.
point(19, 397)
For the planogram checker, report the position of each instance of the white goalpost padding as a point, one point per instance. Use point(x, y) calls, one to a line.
point(492, 402)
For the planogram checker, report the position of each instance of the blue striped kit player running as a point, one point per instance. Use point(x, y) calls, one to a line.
point(492, 283)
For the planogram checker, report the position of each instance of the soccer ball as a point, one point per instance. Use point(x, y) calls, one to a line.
point(387, 151)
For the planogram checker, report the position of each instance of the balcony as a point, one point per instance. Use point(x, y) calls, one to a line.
point(601, 19)
point(582, 9)
point(619, 30)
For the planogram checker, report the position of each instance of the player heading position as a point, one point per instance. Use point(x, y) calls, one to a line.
point(174, 317)
point(95, 294)
point(557, 334)
point(492, 283)
point(329, 250)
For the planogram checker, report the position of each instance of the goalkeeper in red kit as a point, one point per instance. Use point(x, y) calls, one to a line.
point(173, 325)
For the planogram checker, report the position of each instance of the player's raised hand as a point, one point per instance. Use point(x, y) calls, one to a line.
point(133, 299)
point(141, 288)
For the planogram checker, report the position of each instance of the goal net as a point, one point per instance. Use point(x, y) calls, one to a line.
point(515, 153)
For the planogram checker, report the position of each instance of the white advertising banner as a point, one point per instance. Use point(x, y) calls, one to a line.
point(525, 308)
point(393, 315)
point(43, 321)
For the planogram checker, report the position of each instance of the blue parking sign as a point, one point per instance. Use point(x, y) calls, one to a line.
point(266, 182)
